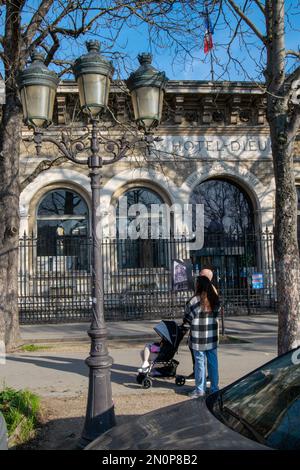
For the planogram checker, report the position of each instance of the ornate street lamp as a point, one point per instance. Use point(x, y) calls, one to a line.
point(38, 86)
point(93, 74)
point(147, 86)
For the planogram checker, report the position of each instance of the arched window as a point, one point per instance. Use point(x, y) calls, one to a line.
point(144, 251)
point(62, 211)
point(62, 220)
point(229, 241)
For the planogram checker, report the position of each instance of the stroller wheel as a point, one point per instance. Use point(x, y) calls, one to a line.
point(180, 380)
point(146, 382)
point(140, 378)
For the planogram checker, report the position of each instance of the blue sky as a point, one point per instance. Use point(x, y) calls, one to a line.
point(200, 67)
point(132, 41)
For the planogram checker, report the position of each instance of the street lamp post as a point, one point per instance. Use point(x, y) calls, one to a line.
point(93, 74)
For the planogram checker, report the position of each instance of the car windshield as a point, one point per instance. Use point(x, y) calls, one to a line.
point(265, 405)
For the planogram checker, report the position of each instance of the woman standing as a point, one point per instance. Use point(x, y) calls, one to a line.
point(201, 314)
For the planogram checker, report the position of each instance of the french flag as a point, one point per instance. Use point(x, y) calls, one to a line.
point(208, 39)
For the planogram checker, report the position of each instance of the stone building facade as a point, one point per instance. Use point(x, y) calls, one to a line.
point(214, 140)
point(207, 131)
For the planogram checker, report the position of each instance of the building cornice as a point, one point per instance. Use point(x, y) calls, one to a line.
point(183, 87)
point(195, 106)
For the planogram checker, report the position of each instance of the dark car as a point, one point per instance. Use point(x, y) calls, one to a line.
point(3, 433)
point(258, 411)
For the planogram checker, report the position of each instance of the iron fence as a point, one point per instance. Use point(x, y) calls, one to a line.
point(55, 276)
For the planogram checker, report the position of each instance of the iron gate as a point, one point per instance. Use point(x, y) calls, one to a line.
point(55, 276)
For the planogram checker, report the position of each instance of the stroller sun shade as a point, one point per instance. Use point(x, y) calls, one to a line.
point(169, 330)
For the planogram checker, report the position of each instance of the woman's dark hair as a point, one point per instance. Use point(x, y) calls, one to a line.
point(204, 286)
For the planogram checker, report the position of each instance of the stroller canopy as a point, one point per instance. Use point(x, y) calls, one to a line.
point(170, 331)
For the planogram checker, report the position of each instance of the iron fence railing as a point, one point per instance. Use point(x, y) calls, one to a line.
point(55, 276)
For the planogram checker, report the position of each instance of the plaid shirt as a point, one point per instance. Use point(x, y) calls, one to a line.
point(204, 333)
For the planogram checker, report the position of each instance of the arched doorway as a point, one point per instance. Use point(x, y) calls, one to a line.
point(229, 240)
point(227, 207)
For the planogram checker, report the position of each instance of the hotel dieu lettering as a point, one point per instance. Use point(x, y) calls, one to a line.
point(216, 147)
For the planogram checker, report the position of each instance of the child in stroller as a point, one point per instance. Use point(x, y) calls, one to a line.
point(158, 357)
point(150, 353)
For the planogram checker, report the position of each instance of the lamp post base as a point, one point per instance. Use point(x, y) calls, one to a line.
point(100, 415)
point(97, 426)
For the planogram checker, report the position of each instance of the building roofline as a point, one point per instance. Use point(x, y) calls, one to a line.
point(173, 87)
point(184, 87)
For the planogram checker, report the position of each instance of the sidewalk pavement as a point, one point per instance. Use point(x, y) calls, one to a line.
point(244, 327)
point(62, 372)
point(72, 332)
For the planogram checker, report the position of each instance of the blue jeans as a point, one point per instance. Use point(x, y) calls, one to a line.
point(212, 369)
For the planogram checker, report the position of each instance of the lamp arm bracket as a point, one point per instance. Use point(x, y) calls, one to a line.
point(118, 148)
point(69, 148)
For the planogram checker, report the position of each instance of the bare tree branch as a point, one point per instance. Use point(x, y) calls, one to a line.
point(260, 6)
point(77, 30)
point(37, 19)
point(41, 167)
point(53, 49)
point(292, 53)
point(51, 26)
point(247, 20)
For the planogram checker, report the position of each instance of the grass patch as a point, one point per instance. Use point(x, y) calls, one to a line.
point(21, 411)
point(33, 347)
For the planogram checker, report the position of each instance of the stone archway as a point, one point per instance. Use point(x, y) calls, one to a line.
point(128, 178)
point(54, 178)
point(262, 197)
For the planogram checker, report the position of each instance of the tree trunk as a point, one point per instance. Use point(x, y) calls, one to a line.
point(10, 136)
point(285, 236)
point(280, 115)
point(10, 140)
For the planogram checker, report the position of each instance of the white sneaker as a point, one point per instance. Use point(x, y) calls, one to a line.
point(196, 394)
point(190, 378)
point(143, 370)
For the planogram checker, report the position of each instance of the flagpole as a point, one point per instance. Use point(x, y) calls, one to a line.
point(212, 66)
point(208, 41)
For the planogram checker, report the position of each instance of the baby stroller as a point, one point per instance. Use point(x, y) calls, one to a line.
point(165, 365)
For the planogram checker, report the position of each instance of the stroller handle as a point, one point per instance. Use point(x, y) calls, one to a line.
point(184, 328)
